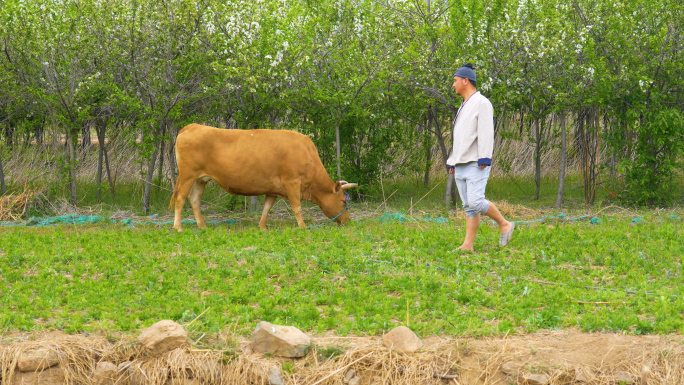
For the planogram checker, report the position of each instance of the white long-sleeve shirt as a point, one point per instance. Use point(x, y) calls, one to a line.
point(473, 132)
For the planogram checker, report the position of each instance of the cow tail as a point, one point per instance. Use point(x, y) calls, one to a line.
point(172, 203)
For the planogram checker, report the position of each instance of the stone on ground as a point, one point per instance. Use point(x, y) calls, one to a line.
point(510, 368)
point(583, 375)
point(402, 339)
point(624, 378)
point(283, 341)
point(52, 376)
point(105, 374)
point(350, 374)
point(275, 376)
point(162, 337)
point(535, 379)
point(37, 359)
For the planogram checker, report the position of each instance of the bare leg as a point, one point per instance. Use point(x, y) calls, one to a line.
point(194, 198)
point(472, 223)
point(183, 191)
point(268, 203)
point(494, 213)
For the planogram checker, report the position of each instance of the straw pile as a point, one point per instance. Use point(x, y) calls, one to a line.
point(13, 207)
point(559, 357)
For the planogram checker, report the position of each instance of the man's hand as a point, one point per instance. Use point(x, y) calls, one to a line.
point(483, 166)
point(451, 170)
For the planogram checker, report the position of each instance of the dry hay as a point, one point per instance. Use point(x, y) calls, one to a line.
point(517, 211)
point(562, 355)
point(376, 364)
point(77, 355)
point(13, 207)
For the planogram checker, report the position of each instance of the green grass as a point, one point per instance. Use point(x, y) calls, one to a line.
point(115, 277)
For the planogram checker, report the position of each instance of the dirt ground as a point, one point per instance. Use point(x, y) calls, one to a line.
point(548, 357)
point(570, 356)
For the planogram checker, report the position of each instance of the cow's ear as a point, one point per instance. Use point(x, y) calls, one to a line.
point(338, 186)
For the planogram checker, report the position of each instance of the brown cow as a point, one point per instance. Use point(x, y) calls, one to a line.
point(275, 163)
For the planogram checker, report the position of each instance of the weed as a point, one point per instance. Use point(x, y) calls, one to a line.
point(288, 367)
point(329, 353)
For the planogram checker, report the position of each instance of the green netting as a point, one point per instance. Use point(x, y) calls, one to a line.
point(84, 219)
point(560, 216)
point(401, 218)
point(63, 219)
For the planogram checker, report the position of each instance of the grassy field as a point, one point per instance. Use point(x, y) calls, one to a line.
point(622, 274)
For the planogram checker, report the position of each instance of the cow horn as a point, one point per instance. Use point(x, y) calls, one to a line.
point(344, 182)
point(348, 185)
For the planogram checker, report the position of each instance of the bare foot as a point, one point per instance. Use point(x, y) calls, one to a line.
point(466, 248)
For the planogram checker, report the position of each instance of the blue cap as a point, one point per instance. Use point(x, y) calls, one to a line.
point(467, 72)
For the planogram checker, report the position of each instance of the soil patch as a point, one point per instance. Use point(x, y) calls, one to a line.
point(556, 357)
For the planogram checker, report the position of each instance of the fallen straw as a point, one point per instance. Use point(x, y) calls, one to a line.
point(340, 369)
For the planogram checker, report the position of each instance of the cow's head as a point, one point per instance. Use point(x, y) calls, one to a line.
point(334, 204)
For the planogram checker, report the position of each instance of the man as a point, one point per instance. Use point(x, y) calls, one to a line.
point(471, 158)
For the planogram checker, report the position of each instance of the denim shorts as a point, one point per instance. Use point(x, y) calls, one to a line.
point(471, 183)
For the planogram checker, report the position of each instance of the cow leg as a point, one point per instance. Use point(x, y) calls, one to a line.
point(194, 198)
point(184, 187)
point(294, 196)
point(268, 203)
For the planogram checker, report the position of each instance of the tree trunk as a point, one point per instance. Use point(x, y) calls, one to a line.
point(537, 158)
point(72, 167)
point(148, 181)
point(9, 133)
point(2, 174)
point(337, 145)
point(160, 169)
point(85, 137)
point(563, 161)
point(425, 143)
point(451, 197)
point(38, 131)
point(100, 130)
point(253, 203)
point(440, 138)
point(100, 160)
point(172, 161)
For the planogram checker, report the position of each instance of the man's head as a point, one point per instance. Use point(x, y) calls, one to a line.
point(465, 79)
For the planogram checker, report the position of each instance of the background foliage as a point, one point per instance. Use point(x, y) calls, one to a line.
point(607, 75)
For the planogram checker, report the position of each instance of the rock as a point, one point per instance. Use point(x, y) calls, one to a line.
point(349, 375)
point(162, 337)
point(275, 376)
point(355, 381)
point(624, 378)
point(402, 339)
point(123, 366)
point(283, 341)
point(510, 368)
point(35, 360)
point(52, 376)
point(535, 379)
point(133, 373)
point(583, 375)
point(645, 373)
point(105, 374)
point(564, 376)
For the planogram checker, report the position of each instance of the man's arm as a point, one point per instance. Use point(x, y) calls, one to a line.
point(485, 134)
